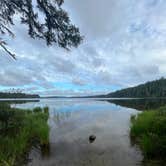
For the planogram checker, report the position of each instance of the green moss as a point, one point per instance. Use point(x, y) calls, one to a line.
point(149, 130)
point(19, 129)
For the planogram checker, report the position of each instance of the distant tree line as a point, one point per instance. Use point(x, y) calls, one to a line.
point(155, 88)
point(17, 95)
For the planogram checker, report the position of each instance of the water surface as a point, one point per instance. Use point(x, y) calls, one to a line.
point(72, 121)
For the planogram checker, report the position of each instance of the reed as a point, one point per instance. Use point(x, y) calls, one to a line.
point(19, 129)
point(149, 130)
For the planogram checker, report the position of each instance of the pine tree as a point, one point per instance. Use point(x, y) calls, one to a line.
point(55, 27)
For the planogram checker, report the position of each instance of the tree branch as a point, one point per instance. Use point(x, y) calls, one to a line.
point(2, 44)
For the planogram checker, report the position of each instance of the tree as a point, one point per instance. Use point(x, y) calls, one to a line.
point(56, 26)
point(155, 88)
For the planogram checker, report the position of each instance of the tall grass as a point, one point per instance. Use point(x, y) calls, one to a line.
point(18, 129)
point(149, 130)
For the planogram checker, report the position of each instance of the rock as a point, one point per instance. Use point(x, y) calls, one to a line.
point(92, 138)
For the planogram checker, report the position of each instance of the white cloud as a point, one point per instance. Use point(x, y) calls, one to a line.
point(124, 45)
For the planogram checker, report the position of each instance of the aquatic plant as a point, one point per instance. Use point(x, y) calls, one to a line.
point(46, 109)
point(37, 109)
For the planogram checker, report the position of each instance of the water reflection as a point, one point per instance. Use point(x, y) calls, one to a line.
point(45, 150)
point(139, 104)
point(15, 102)
point(73, 121)
point(61, 117)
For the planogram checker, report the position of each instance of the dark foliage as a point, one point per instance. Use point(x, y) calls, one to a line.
point(150, 89)
point(17, 95)
point(140, 104)
point(45, 20)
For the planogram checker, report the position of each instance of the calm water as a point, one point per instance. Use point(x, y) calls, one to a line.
point(72, 121)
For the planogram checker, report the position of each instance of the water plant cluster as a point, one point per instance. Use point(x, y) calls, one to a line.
point(19, 130)
point(149, 130)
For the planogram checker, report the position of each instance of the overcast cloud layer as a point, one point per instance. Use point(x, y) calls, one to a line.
point(124, 45)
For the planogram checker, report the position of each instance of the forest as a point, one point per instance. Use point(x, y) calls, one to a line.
point(17, 95)
point(155, 88)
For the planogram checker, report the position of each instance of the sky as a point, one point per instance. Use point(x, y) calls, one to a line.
point(124, 45)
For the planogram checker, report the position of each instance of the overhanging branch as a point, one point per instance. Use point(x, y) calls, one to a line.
point(2, 44)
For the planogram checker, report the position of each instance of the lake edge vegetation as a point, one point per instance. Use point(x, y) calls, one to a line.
point(148, 130)
point(20, 129)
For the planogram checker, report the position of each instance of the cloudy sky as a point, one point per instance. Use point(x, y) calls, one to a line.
point(124, 45)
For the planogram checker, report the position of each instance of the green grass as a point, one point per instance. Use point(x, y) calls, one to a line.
point(19, 129)
point(149, 130)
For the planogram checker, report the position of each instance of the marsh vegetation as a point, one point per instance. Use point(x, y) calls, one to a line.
point(149, 130)
point(19, 130)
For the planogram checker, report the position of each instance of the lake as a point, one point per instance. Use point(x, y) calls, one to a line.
point(71, 123)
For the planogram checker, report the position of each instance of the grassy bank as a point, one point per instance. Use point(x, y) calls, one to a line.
point(149, 130)
point(19, 129)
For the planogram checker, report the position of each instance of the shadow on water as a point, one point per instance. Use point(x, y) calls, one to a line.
point(45, 150)
point(139, 104)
